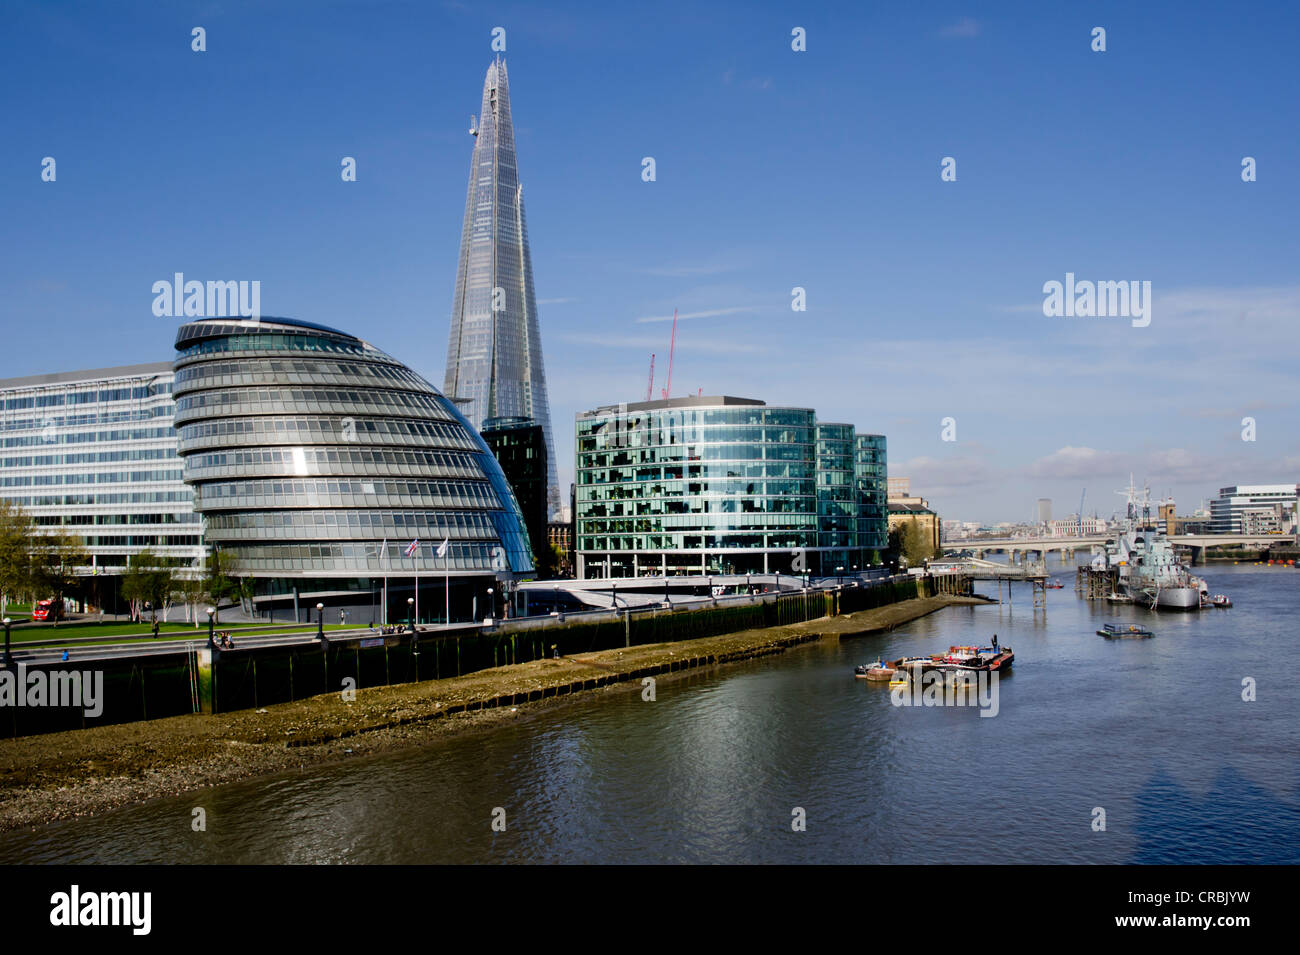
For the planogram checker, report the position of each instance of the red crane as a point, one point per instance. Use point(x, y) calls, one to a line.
point(671, 349)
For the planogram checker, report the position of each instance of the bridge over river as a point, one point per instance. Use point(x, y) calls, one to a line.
point(1017, 547)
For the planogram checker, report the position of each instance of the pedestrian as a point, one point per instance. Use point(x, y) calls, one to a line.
point(65, 656)
point(995, 641)
point(155, 629)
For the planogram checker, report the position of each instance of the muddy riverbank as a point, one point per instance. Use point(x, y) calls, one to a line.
point(82, 772)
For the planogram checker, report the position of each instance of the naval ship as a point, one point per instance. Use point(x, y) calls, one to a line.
point(1149, 571)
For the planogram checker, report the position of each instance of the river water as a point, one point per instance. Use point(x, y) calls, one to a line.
point(1155, 733)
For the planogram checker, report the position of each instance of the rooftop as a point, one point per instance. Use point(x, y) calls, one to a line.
point(91, 374)
point(691, 401)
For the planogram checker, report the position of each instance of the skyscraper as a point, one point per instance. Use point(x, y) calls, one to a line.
point(494, 356)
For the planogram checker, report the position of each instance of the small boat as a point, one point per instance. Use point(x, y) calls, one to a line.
point(965, 658)
point(1119, 631)
point(877, 672)
point(1222, 600)
point(1119, 598)
point(1054, 584)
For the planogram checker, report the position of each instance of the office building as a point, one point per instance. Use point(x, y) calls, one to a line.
point(1267, 508)
point(323, 468)
point(520, 448)
point(718, 484)
point(494, 355)
point(94, 454)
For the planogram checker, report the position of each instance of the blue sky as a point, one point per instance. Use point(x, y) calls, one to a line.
point(775, 169)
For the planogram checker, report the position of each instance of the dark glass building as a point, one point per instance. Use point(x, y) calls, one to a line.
point(520, 448)
point(322, 468)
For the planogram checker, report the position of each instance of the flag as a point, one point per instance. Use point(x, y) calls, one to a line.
point(442, 548)
point(410, 551)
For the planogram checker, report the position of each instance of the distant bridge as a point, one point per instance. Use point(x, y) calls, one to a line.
point(1016, 546)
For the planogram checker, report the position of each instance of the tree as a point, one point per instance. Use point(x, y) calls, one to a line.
point(190, 590)
point(218, 581)
point(16, 532)
point(148, 579)
point(54, 562)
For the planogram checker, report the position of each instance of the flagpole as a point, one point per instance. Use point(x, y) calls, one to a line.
point(383, 615)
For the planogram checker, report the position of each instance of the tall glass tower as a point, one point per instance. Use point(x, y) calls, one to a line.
point(494, 357)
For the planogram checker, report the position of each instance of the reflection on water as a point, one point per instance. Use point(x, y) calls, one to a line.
point(1153, 731)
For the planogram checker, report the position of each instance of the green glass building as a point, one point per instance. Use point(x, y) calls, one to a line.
point(837, 500)
point(716, 485)
point(872, 475)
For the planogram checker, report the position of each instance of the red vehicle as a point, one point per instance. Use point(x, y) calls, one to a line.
point(48, 610)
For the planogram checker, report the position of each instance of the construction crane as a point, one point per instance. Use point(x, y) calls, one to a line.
point(672, 348)
point(650, 386)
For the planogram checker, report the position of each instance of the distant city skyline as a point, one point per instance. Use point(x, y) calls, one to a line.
point(774, 169)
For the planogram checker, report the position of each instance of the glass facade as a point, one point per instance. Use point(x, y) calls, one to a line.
point(313, 455)
point(872, 474)
point(94, 454)
point(714, 486)
point(494, 356)
point(837, 500)
point(519, 445)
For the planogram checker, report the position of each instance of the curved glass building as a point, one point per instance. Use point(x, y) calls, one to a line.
point(694, 486)
point(322, 468)
point(722, 485)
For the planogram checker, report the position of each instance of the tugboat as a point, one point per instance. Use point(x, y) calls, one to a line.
point(1222, 601)
point(1117, 631)
point(1054, 584)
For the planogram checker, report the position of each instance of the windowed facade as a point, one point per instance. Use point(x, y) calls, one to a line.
point(872, 472)
point(314, 456)
point(519, 445)
point(94, 454)
point(711, 485)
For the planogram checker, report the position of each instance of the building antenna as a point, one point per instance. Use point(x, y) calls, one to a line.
point(672, 348)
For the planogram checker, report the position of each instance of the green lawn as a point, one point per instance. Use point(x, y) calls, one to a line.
point(179, 631)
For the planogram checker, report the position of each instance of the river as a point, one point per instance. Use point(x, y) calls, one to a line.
point(1155, 733)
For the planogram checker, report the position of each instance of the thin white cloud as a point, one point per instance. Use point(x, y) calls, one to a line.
point(1071, 463)
point(711, 313)
point(965, 27)
point(653, 344)
point(554, 301)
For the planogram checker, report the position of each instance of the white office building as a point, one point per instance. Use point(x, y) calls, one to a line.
point(1254, 509)
point(93, 453)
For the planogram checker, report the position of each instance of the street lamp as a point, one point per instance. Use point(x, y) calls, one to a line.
point(410, 611)
point(320, 622)
point(9, 660)
point(212, 643)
